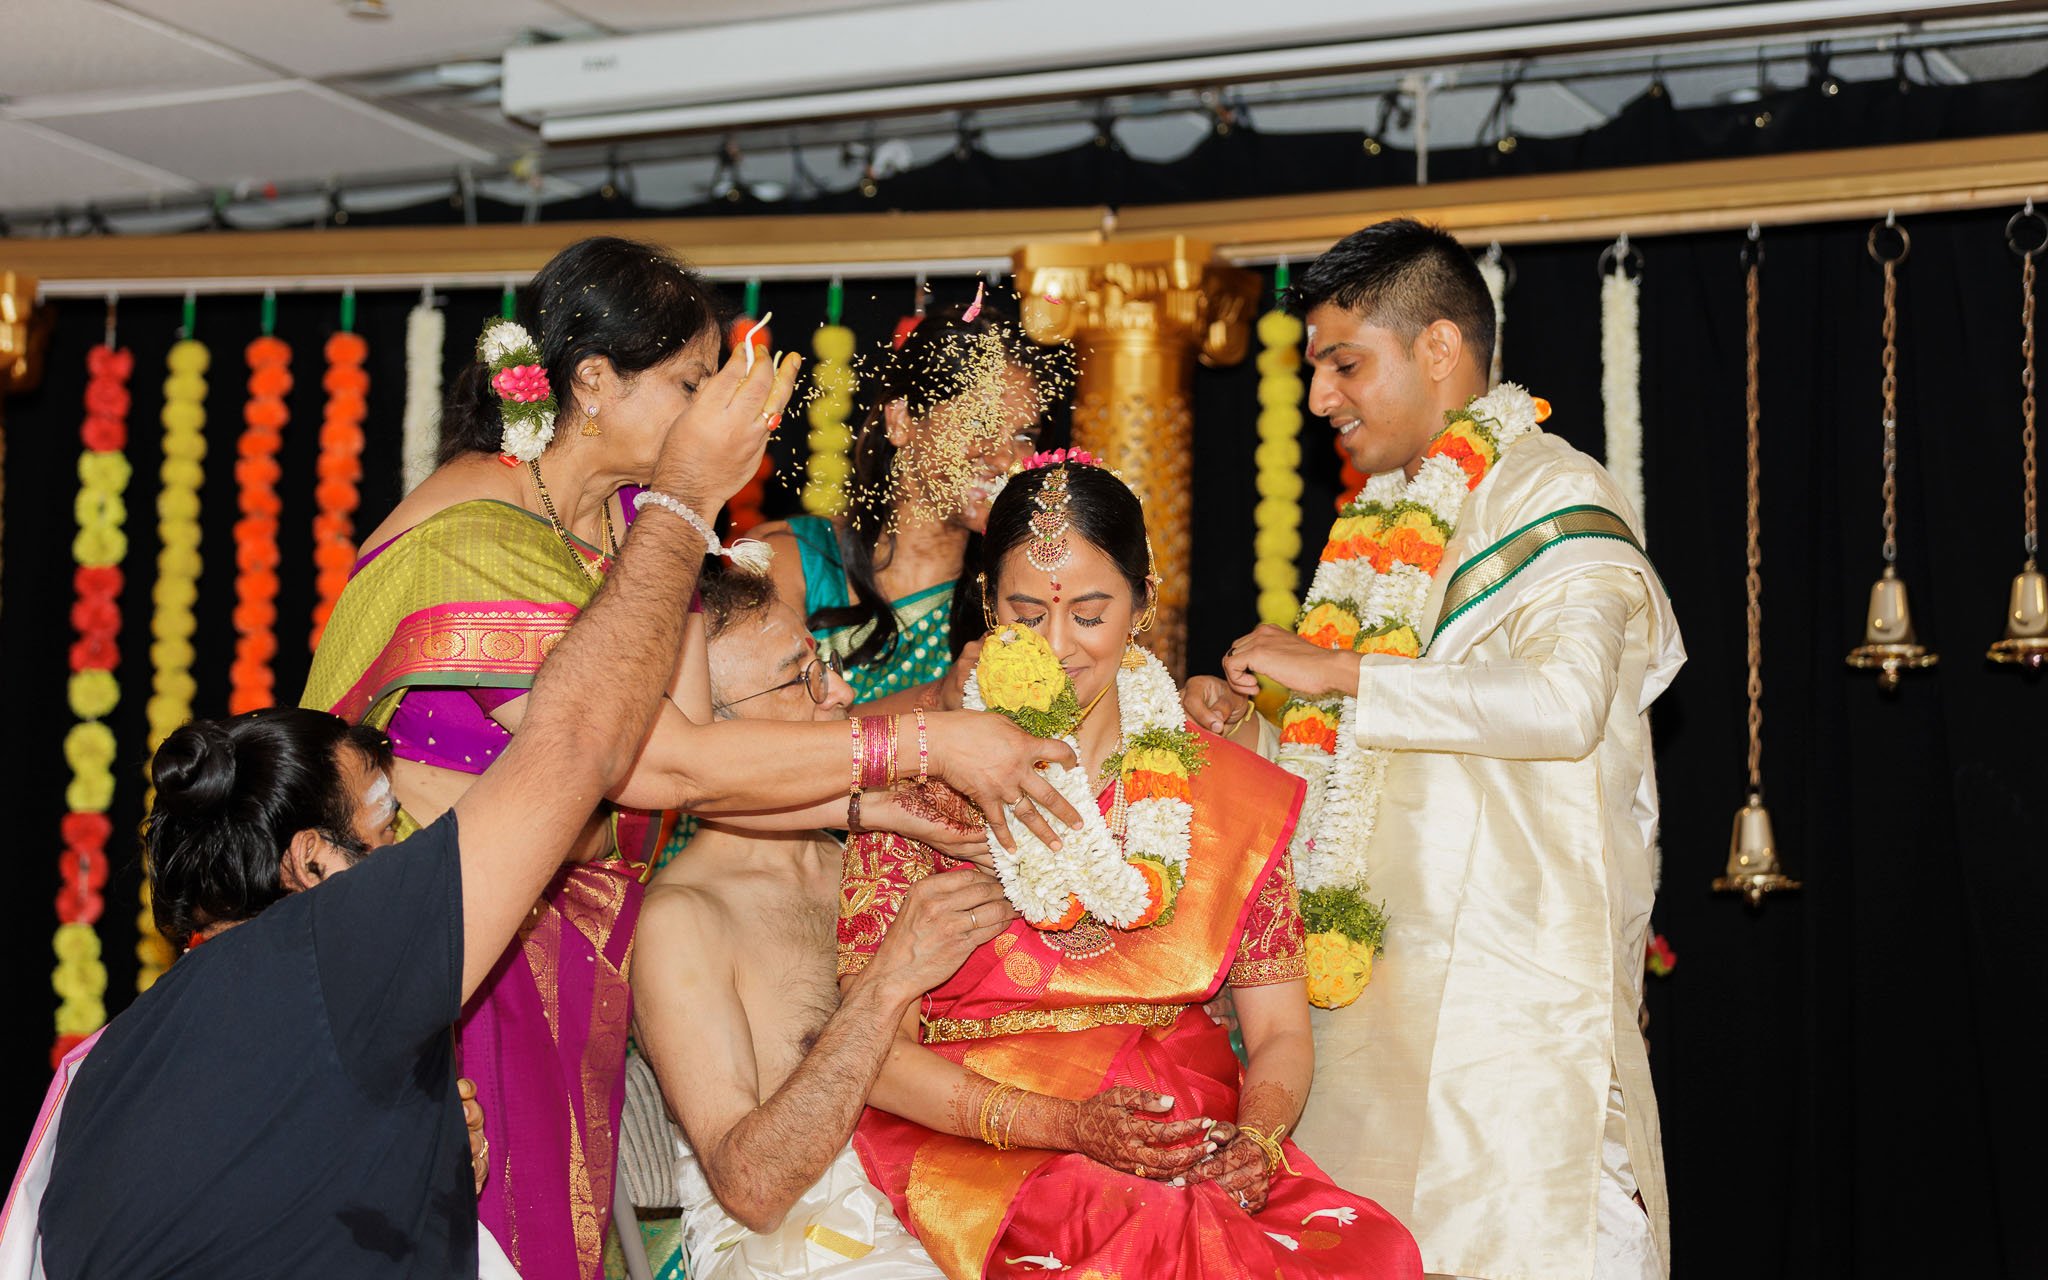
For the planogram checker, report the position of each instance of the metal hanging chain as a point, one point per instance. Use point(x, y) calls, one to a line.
point(1891, 379)
point(2028, 436)
point(1753, 582)
point(2027, 432)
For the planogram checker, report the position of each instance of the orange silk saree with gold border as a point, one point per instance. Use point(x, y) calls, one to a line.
point(1074, 1013)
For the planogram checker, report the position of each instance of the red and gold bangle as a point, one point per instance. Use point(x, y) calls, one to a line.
point(924, 749)
point(878, 756)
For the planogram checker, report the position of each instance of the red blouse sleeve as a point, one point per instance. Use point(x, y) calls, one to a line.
point(1274, 948)
point(878, 870)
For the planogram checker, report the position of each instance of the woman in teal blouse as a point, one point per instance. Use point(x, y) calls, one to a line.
point(948, 414)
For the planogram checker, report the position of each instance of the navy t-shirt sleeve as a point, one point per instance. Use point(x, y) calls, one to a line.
point(387, 937)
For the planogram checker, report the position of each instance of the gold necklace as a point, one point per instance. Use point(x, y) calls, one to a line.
point(548, 505)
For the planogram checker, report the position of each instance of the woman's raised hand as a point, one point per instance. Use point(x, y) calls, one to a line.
point(995, 764)
point(715, 445)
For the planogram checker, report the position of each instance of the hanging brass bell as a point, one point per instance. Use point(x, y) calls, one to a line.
point(1753, 869)
point(1889, 646)
point(2026, 622)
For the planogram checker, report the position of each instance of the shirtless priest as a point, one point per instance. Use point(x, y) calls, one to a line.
point(737, 1006)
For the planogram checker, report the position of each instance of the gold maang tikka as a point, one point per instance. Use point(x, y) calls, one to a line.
point(1048, 551)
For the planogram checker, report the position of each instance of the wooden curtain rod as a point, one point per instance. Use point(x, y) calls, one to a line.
point(1704, 195)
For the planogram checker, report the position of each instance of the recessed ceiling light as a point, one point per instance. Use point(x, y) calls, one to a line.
point(367, 9)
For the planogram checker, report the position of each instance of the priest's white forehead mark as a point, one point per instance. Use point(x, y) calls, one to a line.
point(378, 794)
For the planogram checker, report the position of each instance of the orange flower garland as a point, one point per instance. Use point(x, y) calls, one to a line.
point(251, 682)
point(746, 504)
point(80, 979)
point(340, 468)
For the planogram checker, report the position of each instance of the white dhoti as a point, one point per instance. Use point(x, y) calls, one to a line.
point(841, 1228)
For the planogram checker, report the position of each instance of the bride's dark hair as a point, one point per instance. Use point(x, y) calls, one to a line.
point(1101, 509)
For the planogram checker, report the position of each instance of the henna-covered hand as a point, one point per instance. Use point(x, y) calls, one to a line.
point(1238, 1168)
point(931, 813)
point(1124, 1128)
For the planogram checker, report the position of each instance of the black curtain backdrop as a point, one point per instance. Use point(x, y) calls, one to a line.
point(1843, 1075)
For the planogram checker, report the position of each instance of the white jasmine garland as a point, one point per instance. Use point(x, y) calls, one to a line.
point(1341, 807)
point(1621, 382)
point(420, 436)
point(1090, 865)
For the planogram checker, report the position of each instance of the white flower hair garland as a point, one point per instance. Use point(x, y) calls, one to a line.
point(521, 384)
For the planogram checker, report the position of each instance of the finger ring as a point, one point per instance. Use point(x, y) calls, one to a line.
point(1142, 1173)
point(1243, 1203)
point(767, 415)
point(973, 921)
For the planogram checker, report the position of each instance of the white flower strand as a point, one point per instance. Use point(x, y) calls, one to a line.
point(1341, 808)
point(1621, 381)
point(1090, 865)
point(420, 434)
point(1495, 274)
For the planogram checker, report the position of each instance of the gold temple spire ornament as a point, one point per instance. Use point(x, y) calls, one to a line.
point(1889, 644)
point(1140, 314)
point(1753, 868)
point(2025, 642)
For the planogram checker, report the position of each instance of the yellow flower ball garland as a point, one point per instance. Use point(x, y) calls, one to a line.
point(1278, 544)
point(832, 379)
point(177, 586)
point(80, 979)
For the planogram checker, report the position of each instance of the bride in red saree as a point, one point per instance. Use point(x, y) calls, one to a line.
point(1064, 1102)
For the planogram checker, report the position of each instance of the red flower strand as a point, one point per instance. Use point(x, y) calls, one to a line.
point(340, 471)
point(251, 682)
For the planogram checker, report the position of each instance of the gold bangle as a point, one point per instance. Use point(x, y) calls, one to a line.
point(990, 1101)
point(1276, 1156)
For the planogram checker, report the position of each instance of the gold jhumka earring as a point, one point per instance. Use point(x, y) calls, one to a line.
point(1753, 869)
point(2026, 617)
point(1889, 645)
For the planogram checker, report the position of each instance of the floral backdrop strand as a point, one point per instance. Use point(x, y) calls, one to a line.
point(1277, 545)
point(824, 492)
point(420, 434)
point(1494, 269)
point(746, 504)
point(177, 584)
point(340, 465)
point(251, 681)
point(100, 546)
point(1621, 370)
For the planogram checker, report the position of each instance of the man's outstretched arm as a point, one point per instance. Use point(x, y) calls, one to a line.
point(1548, 701)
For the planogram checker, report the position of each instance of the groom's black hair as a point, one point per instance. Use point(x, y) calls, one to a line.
point(1403, 275)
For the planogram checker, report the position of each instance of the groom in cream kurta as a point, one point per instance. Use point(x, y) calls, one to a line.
point(1491, 1088)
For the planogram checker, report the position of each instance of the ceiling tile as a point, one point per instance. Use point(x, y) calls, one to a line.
point(81, 46)
point(39, 171)
point(295, 134)
point(321, 39)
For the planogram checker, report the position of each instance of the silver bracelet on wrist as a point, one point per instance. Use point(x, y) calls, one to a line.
point(748, 555)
